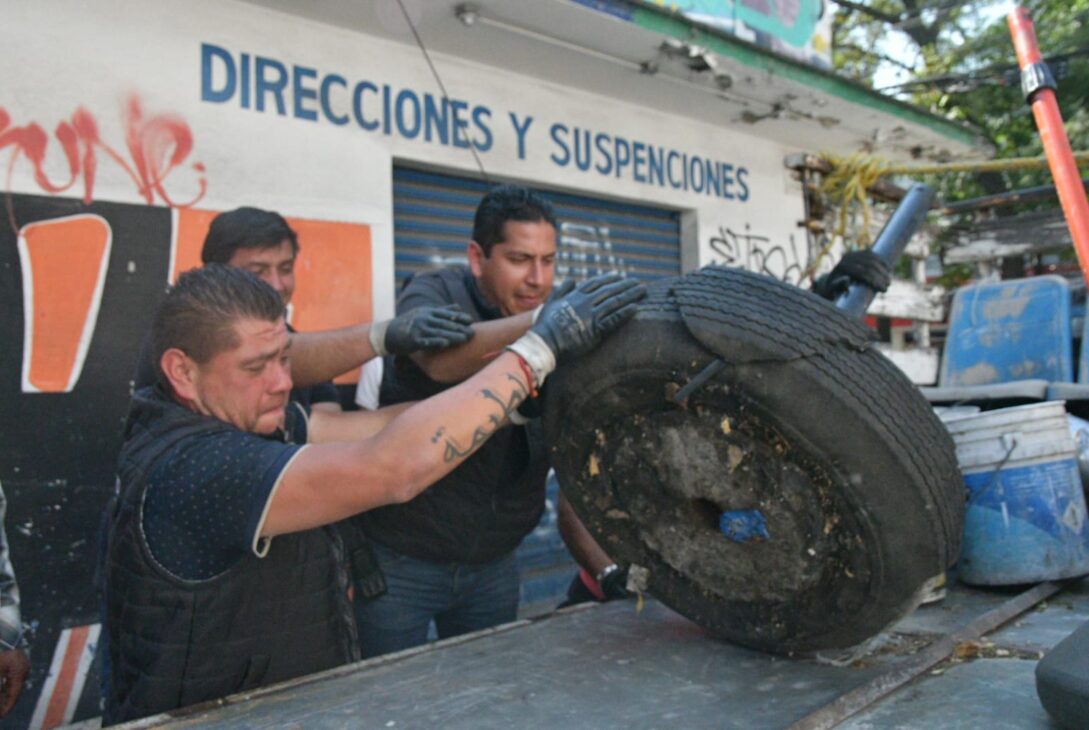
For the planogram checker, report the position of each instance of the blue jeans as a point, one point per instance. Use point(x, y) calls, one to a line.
point(459, 597)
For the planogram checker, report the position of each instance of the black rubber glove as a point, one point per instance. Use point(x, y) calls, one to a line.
point(574, 323)
point(426, 328)
point(856, 267)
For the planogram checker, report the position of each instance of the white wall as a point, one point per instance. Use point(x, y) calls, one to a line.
point(316, 159)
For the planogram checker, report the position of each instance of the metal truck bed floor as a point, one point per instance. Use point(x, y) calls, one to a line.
point(611, 666)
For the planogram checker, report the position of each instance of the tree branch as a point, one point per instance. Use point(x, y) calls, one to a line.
point(872, 12)
point(877, 55)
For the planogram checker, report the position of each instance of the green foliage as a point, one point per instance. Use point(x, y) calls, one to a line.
point(955, 275)
point(965, 69)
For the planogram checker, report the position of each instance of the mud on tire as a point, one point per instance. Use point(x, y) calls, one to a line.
point(807, 423)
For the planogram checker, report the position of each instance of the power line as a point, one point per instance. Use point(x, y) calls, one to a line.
point(1008, 74)
point(442, 86)
point(904, 18)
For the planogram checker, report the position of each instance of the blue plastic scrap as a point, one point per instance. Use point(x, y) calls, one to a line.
point(744, 525)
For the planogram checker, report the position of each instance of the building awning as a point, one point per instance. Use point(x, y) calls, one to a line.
point(645, 54)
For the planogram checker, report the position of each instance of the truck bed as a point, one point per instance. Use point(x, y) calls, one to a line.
point(616, 665)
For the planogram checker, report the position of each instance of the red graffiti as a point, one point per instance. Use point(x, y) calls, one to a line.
point(156, 146)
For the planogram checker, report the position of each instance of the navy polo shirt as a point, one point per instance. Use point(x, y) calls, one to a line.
point(206, 500)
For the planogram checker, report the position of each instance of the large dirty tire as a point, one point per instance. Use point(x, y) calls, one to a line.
point(807, 426)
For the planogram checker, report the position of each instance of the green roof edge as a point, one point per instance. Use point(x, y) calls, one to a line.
point(672, 23)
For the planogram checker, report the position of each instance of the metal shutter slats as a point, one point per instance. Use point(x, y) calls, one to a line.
point(433, 220)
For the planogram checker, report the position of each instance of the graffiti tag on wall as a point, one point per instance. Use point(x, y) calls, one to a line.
point(153, 148)
point(587, 250)
point(63, 260)
point(748, 250)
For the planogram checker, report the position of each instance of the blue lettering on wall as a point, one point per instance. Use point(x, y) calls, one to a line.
point(385, 109)
point(714, 177)
point(244, 81)
point(357, 105)
point(671, 157)
point(303, 93)
point(639, 157)
point(481, 115)
point(326, 105)
point(656, 171)
point(582, 149)
point(623, 154)
point(459, 123)
point(407, 99)
point(695, 165)
point(436, 119)
point(556, 132)
point(605, 160)
point(727, 181)
point(520, 130)
point(268, 82)
point(312, 95)
point(208, 55)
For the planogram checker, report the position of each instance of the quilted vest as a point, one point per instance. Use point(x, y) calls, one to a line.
point(174, 642)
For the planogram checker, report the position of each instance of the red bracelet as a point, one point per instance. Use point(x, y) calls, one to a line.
point(528, 372)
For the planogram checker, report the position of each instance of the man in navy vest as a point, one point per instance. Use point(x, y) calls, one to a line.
point(220, 572)
point(448, 555)
point(263, 243)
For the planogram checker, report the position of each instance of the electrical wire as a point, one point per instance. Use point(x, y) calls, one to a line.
point(1009, 74)
point(442, 86)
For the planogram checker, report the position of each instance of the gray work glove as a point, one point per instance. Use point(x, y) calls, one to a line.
point(576, 322)
point(558, 292)
point(425, 328)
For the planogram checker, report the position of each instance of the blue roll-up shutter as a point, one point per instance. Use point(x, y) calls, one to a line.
point(433, 221)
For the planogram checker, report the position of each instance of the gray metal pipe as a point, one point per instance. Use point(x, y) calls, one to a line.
point(890, 243)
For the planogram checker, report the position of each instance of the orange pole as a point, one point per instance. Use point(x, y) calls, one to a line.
point(1060, 158)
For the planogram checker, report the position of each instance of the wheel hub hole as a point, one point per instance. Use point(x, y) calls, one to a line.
point(707, 513)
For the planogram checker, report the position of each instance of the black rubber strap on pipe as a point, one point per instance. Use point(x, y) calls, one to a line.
point(1034, 77)
point(890, 244)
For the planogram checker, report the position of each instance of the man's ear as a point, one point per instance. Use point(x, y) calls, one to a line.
point(180, 372)
point(475, 252)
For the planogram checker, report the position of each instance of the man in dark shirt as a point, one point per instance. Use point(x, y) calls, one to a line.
point(262, 242)
point(448, 555)
point(201, 602)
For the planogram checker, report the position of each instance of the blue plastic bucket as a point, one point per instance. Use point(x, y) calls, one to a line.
point(1026, 518)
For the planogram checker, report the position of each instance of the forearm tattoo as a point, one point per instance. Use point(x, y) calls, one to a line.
point(454, 450)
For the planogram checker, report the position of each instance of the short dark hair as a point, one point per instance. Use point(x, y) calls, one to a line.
point(508, 203)
point(245, 228)
point(200, 311)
